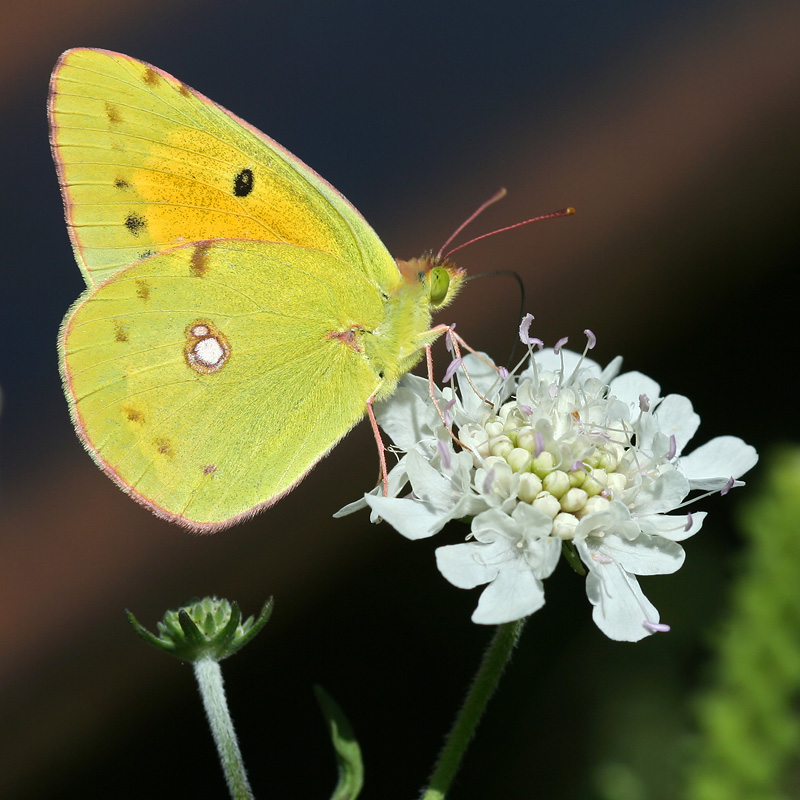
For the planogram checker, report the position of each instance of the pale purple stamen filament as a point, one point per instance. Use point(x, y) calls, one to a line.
point(656, 627)
point(451, 370)
point(448, 338)
point(444, 453)
point(524, 328)
point(447, 418)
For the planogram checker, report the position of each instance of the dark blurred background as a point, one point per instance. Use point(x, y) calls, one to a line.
point(673, 128)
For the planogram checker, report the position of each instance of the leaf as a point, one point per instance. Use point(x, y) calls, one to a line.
point(348, 753)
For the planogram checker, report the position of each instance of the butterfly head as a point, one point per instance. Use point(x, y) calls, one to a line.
point(440, 278)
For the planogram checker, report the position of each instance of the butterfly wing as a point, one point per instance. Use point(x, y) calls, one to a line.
point(207, 380)
point(146, 163)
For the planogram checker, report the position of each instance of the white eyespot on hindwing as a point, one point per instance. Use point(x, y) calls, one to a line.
point(207, 350)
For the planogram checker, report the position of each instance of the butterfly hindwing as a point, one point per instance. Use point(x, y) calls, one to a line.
point(206, 385)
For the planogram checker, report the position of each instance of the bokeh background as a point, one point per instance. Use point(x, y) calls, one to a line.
point(673, 128)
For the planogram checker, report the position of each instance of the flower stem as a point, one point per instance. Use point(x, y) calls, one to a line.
point(209, 681)
point(494, 661)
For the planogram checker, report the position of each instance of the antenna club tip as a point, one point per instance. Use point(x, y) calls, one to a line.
point(569, 211)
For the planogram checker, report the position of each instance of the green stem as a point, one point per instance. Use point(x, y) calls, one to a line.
point(209, 681)
point(494, 661)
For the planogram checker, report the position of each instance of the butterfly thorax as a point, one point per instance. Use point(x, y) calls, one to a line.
point(427, 285)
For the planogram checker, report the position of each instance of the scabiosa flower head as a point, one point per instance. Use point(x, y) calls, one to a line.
point(560, 457)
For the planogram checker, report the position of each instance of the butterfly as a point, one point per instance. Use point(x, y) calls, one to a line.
point(240, 314)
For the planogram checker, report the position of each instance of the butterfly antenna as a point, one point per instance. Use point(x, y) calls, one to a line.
point(564, 212)
point(498, 195)
point(518, 278)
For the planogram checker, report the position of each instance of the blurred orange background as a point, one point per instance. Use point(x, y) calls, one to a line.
point(672, 128)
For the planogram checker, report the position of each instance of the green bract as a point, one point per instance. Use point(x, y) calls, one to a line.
point(207, 628)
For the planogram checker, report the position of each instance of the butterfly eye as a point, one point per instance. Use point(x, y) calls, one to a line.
point(438, 285)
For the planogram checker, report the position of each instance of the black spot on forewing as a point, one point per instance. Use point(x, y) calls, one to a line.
point(120, 183)
point(243, 183)
point(135, 223)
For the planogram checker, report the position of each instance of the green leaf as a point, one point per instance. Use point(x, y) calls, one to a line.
point(348, 753)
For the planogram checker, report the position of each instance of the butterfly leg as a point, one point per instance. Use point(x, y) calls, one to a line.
point(379, 441)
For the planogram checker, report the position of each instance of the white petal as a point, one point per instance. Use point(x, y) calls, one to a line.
point(611, 370)
point(397, 479)
point(620, 607)
point(677, 418)
point(513, 594)
point(350, 508)
point(645, 555)
point(469, 565)
point(711, 465)
point(533, 522)
point(428, 483)
point(403, 415)
point(672, 526)
point(414, 519)
point(629, 386)
point(661, 494)
point(495, 525)
point(548, 361)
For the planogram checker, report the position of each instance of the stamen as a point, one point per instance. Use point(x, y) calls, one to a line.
point(488, 481)
point(451, 370)
point(448, 420)
point(524, 328)
point(728, 486)
point(592, 339)
point(644, 402)
point(503, 373)
point(448, 338)
point(673, 447)
point(689, 522)
point(656, 627)
point(559, 344)
point(539, 439)
point(602, 558)
point(444, 453)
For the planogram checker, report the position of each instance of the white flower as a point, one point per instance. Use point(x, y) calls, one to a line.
point(563, 456)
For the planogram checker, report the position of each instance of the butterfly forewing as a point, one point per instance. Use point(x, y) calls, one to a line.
point(146, 163)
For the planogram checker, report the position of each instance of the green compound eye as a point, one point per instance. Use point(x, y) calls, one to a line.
point(439, 283)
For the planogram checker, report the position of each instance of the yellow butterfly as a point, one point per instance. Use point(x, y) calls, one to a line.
point(240, 314)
